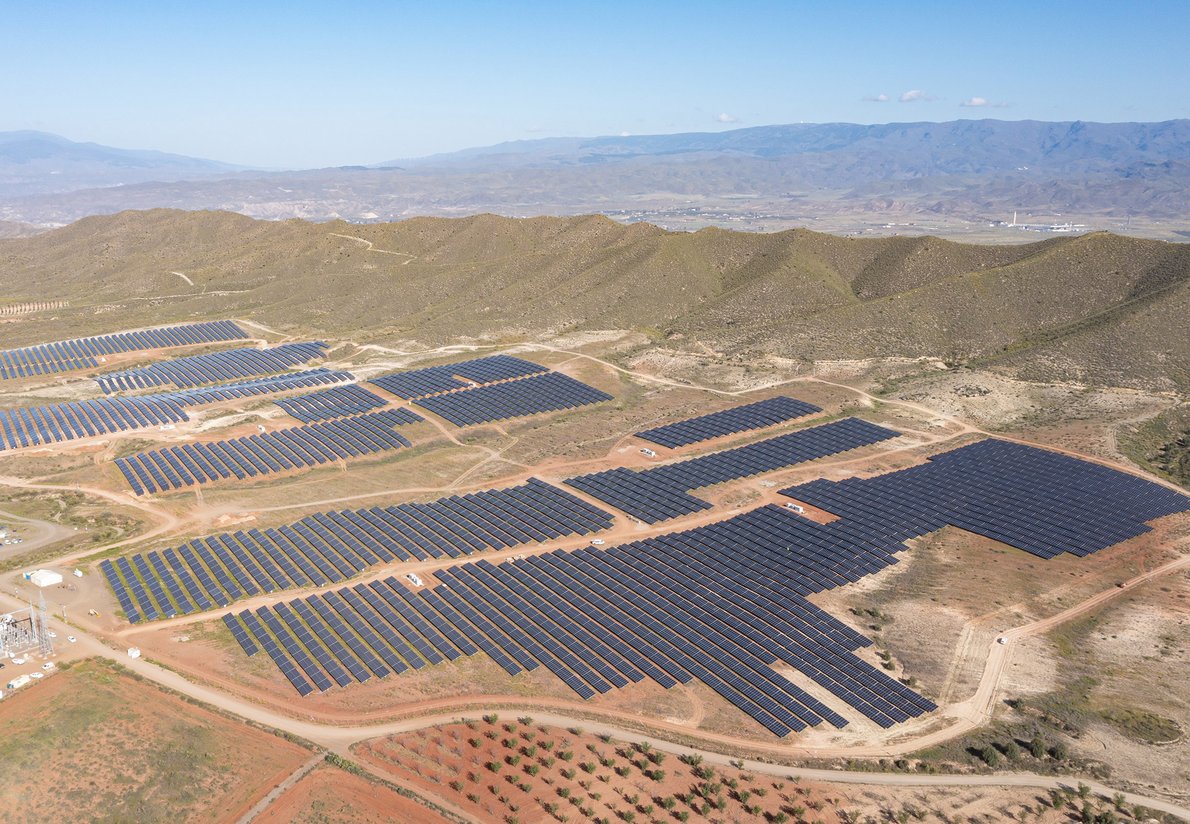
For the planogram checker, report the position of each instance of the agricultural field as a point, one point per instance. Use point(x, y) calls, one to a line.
point(95, 743)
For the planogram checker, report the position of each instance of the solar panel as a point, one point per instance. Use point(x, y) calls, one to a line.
point(547, 392)
point(737, 419)
point(418, 383)
point(267, 453)
point(213, 367)
point(336, 402)
point(662, 492)
point(84, 353)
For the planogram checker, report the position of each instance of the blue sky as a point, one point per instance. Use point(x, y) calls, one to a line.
point(299, 84)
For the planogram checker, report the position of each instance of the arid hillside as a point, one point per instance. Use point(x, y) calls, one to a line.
point(1098, 309)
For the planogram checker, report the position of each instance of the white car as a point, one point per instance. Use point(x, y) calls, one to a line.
point(48, 665)
point(18, 661)
point(598, 541)
point(71, 638)
point(52, 634)
point(37, 675)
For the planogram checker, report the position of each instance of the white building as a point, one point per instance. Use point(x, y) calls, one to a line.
point(45, 578)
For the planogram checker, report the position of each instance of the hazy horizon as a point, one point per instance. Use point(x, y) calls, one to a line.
point(372, 82)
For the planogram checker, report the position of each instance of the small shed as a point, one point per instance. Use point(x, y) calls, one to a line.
point(45, 578)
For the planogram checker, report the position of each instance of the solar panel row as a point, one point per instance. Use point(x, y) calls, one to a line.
point(351, 635)
point(546, 392)
point(213, 367)
point(56, 422)
point(299, 447)
point(256, 386)
point(333, 546)
point(82, 353)
point(662, 492)
point(417, 383)
point(337, 402)
point(1042, 502)
point(711, 603)
point(737, 419)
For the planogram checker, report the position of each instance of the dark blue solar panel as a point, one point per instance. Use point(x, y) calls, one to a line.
point(417, 383)
point(213, 367)
point(737, 419)
point(336, 402)
point(83, 353)
point(271, 452)
point(546, 392)
point(662, 492)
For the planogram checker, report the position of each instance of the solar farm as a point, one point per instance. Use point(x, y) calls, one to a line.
point(349, 524)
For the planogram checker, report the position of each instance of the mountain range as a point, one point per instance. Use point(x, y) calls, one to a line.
point(841, 177)
point(34, 162)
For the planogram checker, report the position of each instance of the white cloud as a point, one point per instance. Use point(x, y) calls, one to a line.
point(983, 102)
point(876, 98)
point(724, 117)
point(914, 95)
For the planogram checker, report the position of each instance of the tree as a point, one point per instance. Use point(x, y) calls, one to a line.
point(989, 755)
point(1037, 746)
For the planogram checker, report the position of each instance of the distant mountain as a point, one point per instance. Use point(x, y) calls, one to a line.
point(968, 147)
point(955, 178)
point(39, 163)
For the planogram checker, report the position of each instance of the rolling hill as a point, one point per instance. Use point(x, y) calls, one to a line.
point(1098, 309)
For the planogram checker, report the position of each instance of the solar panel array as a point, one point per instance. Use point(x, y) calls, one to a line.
point(737, 419)
point(547, 392)
point(299, 447)
point(418, 383)
point(57, 422)
point(727, 601)
point(723, 603)
point(213, 367)
point(337, 402)
point(662, 492)
point(83, 353)
point(333, 546)
point(1042, 502)
point(256, 386)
